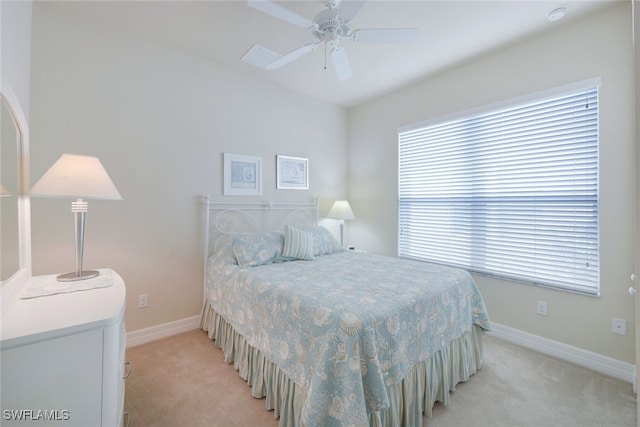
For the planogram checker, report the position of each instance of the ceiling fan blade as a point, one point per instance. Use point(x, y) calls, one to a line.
point(385, 35)
point(260, 56)
point(291, 56)
point(348, 9)
point(277, 11)
point(341, 63)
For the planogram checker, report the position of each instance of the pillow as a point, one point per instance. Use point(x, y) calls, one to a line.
point(298, 244)
point(323, 241)
point(258, 248)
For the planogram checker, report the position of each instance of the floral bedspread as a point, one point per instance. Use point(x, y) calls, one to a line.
point(347, 325)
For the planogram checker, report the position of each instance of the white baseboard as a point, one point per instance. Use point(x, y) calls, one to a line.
point(164, 330)
point(603, 364)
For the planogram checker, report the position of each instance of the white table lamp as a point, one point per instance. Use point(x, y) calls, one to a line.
point(341, 210)
point(75, 176)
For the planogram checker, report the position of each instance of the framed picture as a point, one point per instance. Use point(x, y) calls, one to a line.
point(242, 175)
point(292, 173)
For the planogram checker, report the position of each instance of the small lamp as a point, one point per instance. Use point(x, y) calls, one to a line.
point(82, 177)
point(342, 211)
point(3, 191)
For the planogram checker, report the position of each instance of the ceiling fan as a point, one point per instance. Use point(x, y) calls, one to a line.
point(329, 26)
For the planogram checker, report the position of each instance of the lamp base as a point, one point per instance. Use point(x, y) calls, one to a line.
point(72, 277)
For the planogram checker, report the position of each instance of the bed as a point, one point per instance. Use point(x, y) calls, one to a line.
point(334, 337)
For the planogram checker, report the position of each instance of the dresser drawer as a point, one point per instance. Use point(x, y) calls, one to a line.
point(62, 376)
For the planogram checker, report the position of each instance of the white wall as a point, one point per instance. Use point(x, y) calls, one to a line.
point(159, 120)
point(599, 45)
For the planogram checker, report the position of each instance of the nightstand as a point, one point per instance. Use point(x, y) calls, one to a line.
point(353, 249)
point(62, 357)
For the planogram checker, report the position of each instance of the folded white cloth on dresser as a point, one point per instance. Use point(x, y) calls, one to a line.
point(42, 286)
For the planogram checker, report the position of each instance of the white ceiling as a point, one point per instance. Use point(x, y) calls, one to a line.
point(452, 32)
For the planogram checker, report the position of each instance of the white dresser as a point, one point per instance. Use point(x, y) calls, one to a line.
point(62, 357)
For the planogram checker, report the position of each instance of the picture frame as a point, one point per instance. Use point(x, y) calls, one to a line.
point(292, 173)
point(242, 175)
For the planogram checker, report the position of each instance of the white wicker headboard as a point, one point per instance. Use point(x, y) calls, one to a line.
point(223, 219)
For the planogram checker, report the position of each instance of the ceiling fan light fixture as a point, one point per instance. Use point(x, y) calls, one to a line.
point(329, 26)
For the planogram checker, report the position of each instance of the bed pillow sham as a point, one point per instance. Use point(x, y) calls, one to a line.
point(258, 248)
point(298, 244)
point(323, 241)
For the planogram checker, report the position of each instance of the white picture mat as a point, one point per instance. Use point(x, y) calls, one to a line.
point(292, 173)
point(242, 175)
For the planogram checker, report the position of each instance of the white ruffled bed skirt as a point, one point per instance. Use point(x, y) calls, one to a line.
point(426, 383)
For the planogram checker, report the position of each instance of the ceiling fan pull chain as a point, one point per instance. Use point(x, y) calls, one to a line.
point(325, 56)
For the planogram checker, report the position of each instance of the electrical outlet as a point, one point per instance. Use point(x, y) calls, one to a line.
point(541, 308)
point(619, 326)
point(143, 301)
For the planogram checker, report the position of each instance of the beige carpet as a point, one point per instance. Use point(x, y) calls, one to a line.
point(183, 381)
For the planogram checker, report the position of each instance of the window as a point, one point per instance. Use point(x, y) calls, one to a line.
point(511, 193)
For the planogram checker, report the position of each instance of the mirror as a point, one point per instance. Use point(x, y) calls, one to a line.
point(15, 228)
point(9, 179)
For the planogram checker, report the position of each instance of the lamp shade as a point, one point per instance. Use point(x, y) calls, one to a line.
point(3, 191)
point(76, 176)
point(341, 210)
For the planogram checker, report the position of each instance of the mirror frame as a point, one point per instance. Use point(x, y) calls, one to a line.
point(9, 287)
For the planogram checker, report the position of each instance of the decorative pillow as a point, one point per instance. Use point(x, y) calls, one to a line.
point(323, 241)
point(258, 248)
point(298, 244)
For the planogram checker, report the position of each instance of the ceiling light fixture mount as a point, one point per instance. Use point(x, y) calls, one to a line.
point(556, 14)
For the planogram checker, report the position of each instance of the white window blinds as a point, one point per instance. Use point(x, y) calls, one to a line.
point(511, 193)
